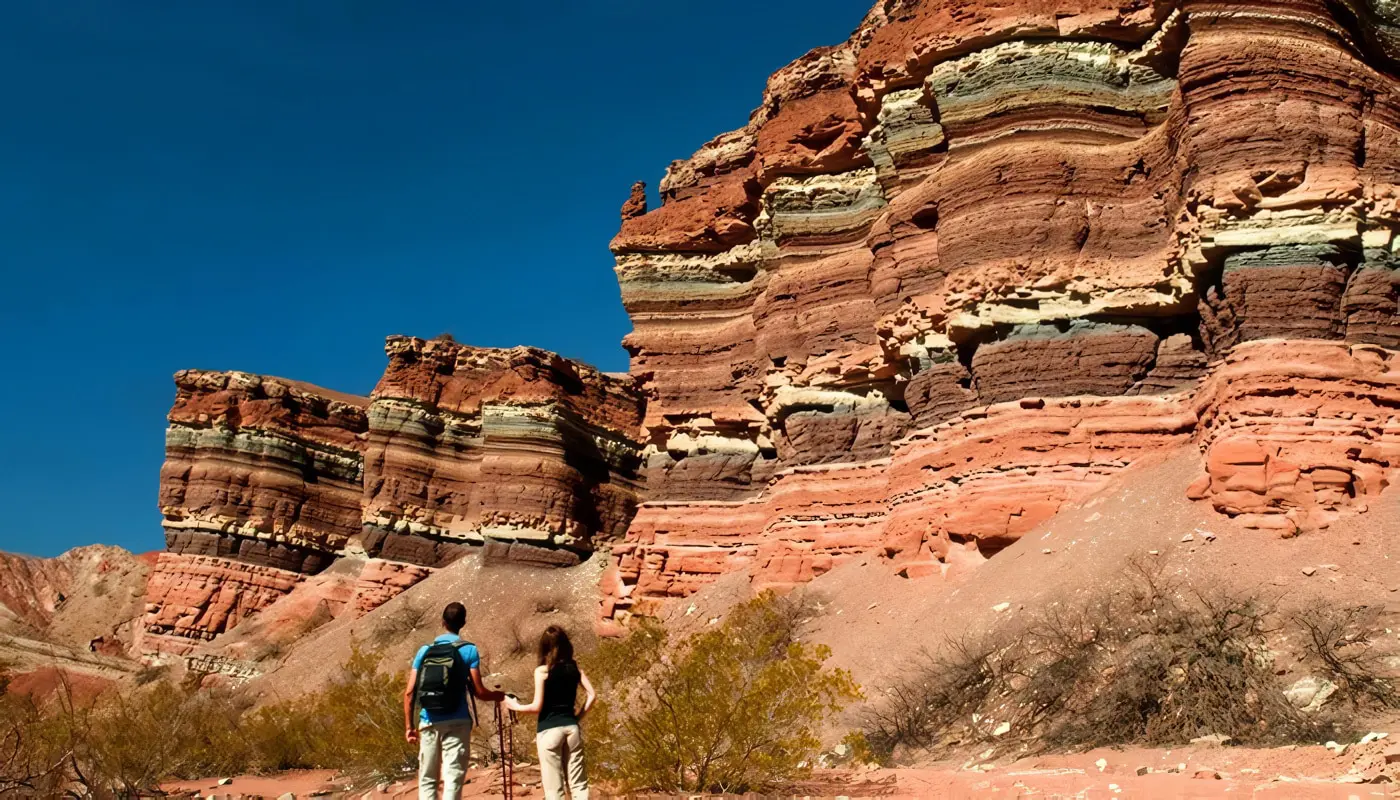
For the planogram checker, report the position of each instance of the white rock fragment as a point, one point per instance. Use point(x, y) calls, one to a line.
point(1310, 693)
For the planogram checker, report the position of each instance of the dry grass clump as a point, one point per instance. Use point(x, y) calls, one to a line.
point(1146, 662)
point(730, 709)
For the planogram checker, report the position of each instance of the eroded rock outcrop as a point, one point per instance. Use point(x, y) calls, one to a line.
point(467, 444)
point(268, 481)
point(957, 271)
point(84, 594)
point(262, 484)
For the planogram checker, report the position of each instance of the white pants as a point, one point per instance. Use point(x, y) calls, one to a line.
point(561, 749)
point(443, 750)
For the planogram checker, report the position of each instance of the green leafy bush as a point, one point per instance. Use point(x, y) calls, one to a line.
point(733, 708)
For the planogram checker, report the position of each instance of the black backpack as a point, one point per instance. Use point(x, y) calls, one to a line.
point(443, 678)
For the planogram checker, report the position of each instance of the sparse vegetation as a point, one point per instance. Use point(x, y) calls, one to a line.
point(125, 745)
point(1340, 642)
point(402, 620)
point(150, 673)
point(1146, 662)
point(733, 708)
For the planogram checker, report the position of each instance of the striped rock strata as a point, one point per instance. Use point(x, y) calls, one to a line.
point(267, 481)
point(961, 269)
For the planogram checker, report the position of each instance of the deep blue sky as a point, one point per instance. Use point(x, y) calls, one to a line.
point(275, 186)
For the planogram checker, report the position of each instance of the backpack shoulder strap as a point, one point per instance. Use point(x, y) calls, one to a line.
point(418, 679)
point(471, 685)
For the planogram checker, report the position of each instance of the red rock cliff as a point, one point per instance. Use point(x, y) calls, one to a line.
point(269, 481)
point(959, 270)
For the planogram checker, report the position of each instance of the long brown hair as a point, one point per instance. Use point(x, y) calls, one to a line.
point(555, 648)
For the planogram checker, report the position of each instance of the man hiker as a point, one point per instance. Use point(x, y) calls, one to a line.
point(444, 673)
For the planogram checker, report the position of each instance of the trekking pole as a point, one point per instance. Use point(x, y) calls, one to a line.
point(510, 733)
point(507, 746)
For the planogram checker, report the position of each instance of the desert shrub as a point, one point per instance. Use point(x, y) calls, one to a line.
point(406, 617)
point(150, 673)
point(941, 689)
point(1145, 661)
point(732, 708)
point(27, 765)
point(129, 743)
point(126, 744)
point(1341, 643)
point(355, 724)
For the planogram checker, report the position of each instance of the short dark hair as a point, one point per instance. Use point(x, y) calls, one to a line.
point(454, 617)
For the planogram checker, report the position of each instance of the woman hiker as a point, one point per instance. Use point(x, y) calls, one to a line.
point(558, 739)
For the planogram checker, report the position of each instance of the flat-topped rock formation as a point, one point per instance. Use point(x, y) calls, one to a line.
point(269, 481)
point(467, 444)
point(959, 270)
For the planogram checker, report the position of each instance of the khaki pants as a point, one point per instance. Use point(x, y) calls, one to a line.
point(443, 749)
point(561, 750)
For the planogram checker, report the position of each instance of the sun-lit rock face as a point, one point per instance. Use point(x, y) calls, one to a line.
point(468, 444)
point(268, 481)
point(261, 485)
point(959, 270)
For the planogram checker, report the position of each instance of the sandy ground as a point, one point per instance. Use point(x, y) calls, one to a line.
point(1306, 773)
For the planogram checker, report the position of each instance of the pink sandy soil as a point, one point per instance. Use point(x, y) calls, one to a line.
point(1305, 773)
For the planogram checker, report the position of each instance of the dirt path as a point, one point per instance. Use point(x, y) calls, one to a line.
point(1302, 773)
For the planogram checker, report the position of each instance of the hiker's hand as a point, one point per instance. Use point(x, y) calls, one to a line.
point(411, 735)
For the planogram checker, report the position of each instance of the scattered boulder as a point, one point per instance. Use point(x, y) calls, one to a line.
point(1216, 739)
point(1310, 693)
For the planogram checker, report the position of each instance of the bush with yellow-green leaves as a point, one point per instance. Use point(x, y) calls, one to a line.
point(733, 708)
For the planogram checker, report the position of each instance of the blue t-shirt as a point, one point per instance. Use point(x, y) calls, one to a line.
point(473, 659)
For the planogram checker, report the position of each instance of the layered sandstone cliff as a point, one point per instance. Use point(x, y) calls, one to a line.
point(268, 481)
point(958, 271)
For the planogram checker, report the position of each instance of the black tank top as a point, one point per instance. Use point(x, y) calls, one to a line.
point(560, 695)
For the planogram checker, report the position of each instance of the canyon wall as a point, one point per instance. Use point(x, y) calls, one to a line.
point(962, 269)
point(268, 482)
